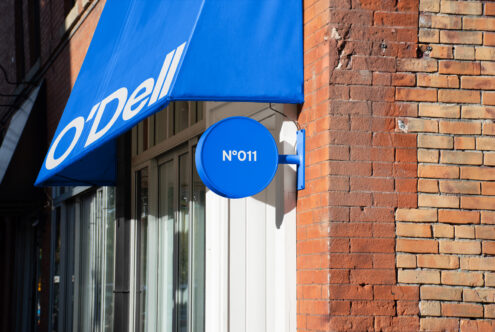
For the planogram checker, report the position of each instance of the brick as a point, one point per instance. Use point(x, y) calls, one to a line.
point(429, 6)
point(458, 157)
point(392, 292)
point(438, 261)
point(460, 247)
point(459, 217)
point(468, 325)
point(489, 279)
point(428, 156)
point(478, 112)
point(459, 96)
point(429, 36)
point(437, 81)
point(416, 94)
point(413, 230)
point(427, 186)
point(440, 111)
point(446, 22)
point(417, 65)
point(434, 171)
point(478, 173)
point(488, 188)
point(490, 9)
point(421, 125)
point(485, 53)
point(478, 82)
point(489, 310)
point(488, 98)
point(479, 23)
point(489, 39)
point(464, 52)
point(406, 261)
point(479, 295)
point(439, 324)
point(489, 128)
point(485, 232)
point(375, 277)
point(459, 67)
point(462, 310)
point(461, 37)
point(442, 230)
point(417, 246)
point(420, 215)
point(486, 203)
point(460, 187)
point(461, 7)
point(373, 63)
point(441, 52)
point(403, 79)
point(351, 292)
point(372, 245)
point(429, 308)
point(488, 217)
point(440, 293)
point(464, 232)
point(461, 128)
point(439, 201)
point(435, 141)
point(418, 277)
point(462, 278)
point(464, 143)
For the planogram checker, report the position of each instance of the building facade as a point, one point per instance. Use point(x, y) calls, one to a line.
point(393, 232)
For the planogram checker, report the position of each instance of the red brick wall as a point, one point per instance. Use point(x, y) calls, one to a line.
point(360, 169)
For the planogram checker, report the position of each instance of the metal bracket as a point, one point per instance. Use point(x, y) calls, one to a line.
point(297, 159)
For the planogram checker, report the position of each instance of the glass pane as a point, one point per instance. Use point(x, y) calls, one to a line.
point(198, 254)
point(183, 244)
point(56, 271)
point(166, 251)
point(142, 215)
point(181, 116)
point(199, 111)
point(86, 271)
point(161, 126)
point(109, 259)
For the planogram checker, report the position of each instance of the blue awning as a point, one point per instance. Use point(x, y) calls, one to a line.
point(145, 54)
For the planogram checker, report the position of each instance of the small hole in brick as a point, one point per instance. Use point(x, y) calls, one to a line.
point(362, 208)
point(419, 52)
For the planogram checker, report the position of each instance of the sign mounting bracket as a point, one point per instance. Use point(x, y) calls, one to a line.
point(297, 159)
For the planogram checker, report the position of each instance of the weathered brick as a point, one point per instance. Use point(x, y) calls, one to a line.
point(416, 94)
point(418, 277)
point(489, 279)
point(464, 232)
point(427, 186)
point(429, 6)
point(489, 310)
point(461, 7)
point(441, 52)
point(417, 65)
point(485, 232)
point(421, 125)
point(440, 111)
point(485, 143)
point(403, 79)
point(462, 310)
point(485, 53)
point(490, 9)
point(464, 143)
point(459, 67)
point(428, 156)
point(458, 157)
point(440, 293)
point(469, 325)
point(420, 215)
point(439, 201)
point(459, 96)
point(488, 188)
point(479, 295)
point(464, 52)
point(488, 98)
point(478, 173)
point(443, 230)
point(440, 324)
point(489, 39)
point(478, 112)
point(406, 261)
point(429, 308)
point(437, 81)
point(438, 261)
point(479, 23)
point(461, 37)
point(435, 141)
point(459, 217)
point(413, 230)
point(489, 128)
point(462, 278)
point(441, 172)
point(488, 217)
point(429, 36)
point(478, 202)
point(417, 246)
point(460, 187)
point(478, 82)
point(446, 22)
point(460, 247)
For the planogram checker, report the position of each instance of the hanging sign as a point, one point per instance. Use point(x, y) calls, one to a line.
point(237, 157)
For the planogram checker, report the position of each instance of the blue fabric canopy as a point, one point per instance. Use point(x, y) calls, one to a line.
point(145, 54)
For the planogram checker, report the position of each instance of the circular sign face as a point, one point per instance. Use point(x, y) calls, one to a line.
point(236, 157)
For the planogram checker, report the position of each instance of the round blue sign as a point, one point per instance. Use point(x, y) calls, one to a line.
point(236, 157)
